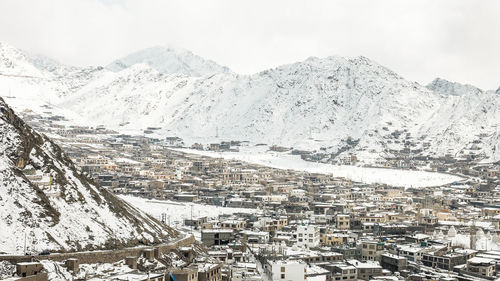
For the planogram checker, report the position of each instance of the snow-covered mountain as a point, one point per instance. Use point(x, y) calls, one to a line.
point(446, 87)
point(170, 60)
point(49, 204)
point(335, 104)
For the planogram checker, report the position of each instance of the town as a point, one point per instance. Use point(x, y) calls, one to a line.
point(280, 224)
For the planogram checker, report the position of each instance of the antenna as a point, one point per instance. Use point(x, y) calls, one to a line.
point(191, 218)
point(25, 242)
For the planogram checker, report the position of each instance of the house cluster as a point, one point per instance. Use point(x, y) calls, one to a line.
point(185, 263)
point(306, 226)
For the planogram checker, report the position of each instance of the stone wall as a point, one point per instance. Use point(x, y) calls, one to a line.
point(107, 256)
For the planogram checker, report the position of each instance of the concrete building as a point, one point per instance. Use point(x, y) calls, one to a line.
point(308, 236)
point(286, 270)
point(210, 237)
point(24, 269)
point(209, 272)
point(343, 222)
point(185, 274)
point(393, 262)
point(481, 266)
point(371, 250)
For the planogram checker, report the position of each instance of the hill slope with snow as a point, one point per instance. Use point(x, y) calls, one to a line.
point(334, 105)
point(170, 60)
point(47, 200)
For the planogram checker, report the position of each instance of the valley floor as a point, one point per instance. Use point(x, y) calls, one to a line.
point(280, 160)
point(176, 211)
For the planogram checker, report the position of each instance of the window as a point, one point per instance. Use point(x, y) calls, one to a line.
point(282, 269)
point(282, 276)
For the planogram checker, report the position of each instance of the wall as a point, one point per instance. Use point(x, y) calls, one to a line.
point(107, 256)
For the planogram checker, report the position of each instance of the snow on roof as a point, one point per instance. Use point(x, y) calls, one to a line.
point(204, 267)
point(480, 260)
point(366, 264)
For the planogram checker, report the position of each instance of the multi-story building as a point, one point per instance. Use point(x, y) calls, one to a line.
point(308, 236)
point(481, 266)
point(210, 237)
point(343, 221)
point(286, 270)
point(209, 272)
point(393, 262)
point(342, 271)
point(367, 270)
point(371, 250)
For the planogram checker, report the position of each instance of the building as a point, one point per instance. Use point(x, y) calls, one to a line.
point(393, 262)
point(343, 222)
point(233, 224)
point(334, 239)
point(341, 271)
point(195, 222)
point(445, 261)
point(308, 236)
point(371, 250)
point(367, 270)
point(481, 266)
point(286, 270)
point(209, 272)
point(210, 237)
point(255, 236)
point(24, 269)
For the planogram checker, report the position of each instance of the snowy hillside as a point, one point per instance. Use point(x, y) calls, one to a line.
point(446, 87)
point(170, 60)
point(335, 105)
point(47, 202)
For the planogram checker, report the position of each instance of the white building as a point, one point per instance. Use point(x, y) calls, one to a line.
point(308, 236)
point(286, 270)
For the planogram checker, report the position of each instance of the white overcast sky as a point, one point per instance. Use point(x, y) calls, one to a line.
point(457, 40)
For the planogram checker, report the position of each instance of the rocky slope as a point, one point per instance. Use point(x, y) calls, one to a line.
point(47, 203)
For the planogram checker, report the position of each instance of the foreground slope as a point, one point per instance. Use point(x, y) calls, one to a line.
point(49, 204)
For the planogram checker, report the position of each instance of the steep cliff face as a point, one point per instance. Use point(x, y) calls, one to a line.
point(47, 203)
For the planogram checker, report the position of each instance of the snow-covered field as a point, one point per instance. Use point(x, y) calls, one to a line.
point(176, 212)
point(394, 177)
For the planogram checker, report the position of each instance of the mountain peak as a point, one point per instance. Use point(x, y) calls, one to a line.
point(170, 60)
point(446, 87)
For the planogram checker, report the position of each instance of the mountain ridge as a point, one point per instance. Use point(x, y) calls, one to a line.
point(318, 103)
point(169, 60)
